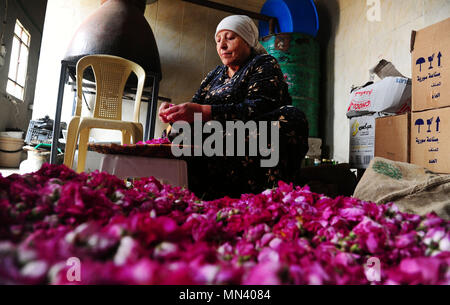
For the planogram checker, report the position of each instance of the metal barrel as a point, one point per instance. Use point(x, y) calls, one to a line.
point(299, 58)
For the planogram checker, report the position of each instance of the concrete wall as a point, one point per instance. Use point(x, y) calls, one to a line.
point(15, 113)
point(184, 34)
point(353, 45)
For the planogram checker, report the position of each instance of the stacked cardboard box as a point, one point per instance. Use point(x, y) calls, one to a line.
point(392, 139)
point(388, 97)
point(430, 120)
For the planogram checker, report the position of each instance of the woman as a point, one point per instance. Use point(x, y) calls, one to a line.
point(248, 86)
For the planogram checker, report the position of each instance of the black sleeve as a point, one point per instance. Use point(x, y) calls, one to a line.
point(265, 89)
point(199, 96)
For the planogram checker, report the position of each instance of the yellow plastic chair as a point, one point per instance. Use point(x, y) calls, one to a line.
point(111, 74)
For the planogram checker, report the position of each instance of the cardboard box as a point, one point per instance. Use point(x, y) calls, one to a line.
point(430, 48)
point(362, 139)
point(430, 139)
point(392, 94)
point(392, 137)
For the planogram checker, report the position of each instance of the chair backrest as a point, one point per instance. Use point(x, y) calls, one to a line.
point(111, 74)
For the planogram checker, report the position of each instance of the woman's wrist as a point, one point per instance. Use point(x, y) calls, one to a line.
point(206, 112)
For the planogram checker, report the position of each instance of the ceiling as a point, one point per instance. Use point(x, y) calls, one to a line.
point(35, 10)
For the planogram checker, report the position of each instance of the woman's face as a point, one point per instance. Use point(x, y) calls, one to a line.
point(232, 49)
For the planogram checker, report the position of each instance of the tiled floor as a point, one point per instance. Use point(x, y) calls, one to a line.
point(8, 171)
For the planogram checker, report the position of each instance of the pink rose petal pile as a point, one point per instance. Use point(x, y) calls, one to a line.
point(149, 233)
point(154, 141)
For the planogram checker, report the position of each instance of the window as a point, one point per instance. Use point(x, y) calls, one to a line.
point(19, 61)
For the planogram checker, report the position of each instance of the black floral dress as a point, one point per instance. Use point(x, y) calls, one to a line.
point(257, 92)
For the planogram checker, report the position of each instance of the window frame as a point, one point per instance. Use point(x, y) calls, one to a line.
point(18, 61)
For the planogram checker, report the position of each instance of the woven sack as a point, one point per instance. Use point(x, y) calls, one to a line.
point(412, 188)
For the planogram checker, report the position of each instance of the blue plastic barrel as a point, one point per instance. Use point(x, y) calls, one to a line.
point(299, 16)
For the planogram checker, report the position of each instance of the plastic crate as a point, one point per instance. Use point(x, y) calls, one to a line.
point(37, 135)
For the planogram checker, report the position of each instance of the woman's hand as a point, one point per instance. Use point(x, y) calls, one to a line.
point(164, 106)
point(184, 112)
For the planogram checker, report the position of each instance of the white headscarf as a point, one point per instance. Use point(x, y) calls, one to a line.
point(245, 28)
